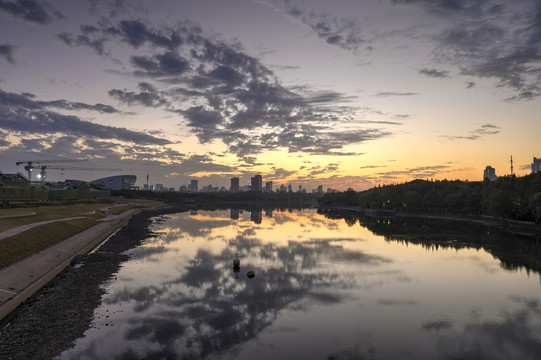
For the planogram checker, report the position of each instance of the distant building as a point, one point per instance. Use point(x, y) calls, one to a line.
point(118, 182)
point(257, 183)
point(183, 188)
point(536, 166)
point(194, 187)
point(268, 187)
point(289, 188)
point(489, 173)
point(283, 188)
point(159, 187)
point(235, 184)
point(320, 189)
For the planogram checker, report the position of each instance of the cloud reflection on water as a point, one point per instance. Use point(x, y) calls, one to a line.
point(217, 312)
point(194, 307)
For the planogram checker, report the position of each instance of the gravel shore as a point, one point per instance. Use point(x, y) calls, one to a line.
point(50, 321)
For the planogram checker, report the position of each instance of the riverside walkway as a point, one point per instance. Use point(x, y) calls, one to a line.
point(22, 279)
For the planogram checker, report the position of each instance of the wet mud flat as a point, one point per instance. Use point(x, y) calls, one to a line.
point(50, 321)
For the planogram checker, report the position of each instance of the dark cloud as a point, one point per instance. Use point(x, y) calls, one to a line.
point(434, 73)
point(22, 114)
point(148, 96)
point(168, 63)
point(26, 100)
point(445, 7)
point(224, 94)
point(30, 10)
point(8, 51)
point(344, 33)
point(98, 44)
point(136, 33)
point(488, 39)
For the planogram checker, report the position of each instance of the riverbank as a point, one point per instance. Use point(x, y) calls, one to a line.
point(524, 228)
point(48, 322)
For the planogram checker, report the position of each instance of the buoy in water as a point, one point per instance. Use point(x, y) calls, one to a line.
point(250, 274)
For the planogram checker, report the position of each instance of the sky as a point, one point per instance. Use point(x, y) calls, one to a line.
point(341, 93)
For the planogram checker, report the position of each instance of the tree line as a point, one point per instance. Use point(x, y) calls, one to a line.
point(517, 198)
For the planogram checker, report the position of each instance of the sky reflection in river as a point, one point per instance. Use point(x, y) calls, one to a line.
point(323, 289)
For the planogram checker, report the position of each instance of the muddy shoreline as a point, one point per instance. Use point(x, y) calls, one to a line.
point(50, 321)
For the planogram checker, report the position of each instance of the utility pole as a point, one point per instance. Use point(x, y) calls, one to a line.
point(512, 165)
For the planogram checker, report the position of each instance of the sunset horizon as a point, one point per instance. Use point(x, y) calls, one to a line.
point(343, 95)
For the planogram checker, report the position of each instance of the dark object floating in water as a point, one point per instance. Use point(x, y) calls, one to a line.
point(250, 274)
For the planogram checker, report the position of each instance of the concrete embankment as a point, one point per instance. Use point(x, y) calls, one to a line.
point(21, 280)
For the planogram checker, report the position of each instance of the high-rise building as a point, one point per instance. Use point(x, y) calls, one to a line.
point(289, 188)
point(257, 183)
point(194, 187)
point(489, 173)
point(268, 186)
point(283, 188)
point(536, 166)
point(320, 189)
point(235, 184)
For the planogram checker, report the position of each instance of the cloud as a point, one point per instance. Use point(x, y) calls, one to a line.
point(387, 94)
point(8, 51)
point(421, 172)
point(342, 32)
point(168, 63)
point(22, 114)
point(98, 45)
point(489, 39)
point(484, 130)
point(26, 100)
point(434, 73)
point(148, 96)
point(223, 94)
point(30, 10)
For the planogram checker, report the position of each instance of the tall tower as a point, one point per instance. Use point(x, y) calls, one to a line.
point(512, 173)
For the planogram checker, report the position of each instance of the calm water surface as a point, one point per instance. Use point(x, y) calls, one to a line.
point(323, 289)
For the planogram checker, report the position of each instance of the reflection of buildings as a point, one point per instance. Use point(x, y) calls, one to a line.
point(234, 214)
point(536, 166)
point(256, 216)
point(489, 173)
point(268, 213)
point(257, 183)
point(235, 184)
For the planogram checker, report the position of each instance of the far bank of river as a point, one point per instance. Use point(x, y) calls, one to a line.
point(525, 228)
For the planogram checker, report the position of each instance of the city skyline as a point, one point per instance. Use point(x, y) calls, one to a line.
point(345, 94)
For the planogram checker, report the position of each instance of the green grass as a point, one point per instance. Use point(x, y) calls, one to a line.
point(44, 213)
point(31, 241)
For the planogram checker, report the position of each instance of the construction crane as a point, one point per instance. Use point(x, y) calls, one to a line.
point(43, 172)
point(30, 164)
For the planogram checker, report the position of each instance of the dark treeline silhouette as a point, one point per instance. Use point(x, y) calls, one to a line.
point(433, 234)
point(517, 198)
point(202, 197)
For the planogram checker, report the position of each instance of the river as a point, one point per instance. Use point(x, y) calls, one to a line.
point(325, 286)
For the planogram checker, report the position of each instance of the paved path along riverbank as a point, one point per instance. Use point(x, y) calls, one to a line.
point(21, 280)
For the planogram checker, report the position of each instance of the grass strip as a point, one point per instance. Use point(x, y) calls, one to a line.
point(31, 241)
